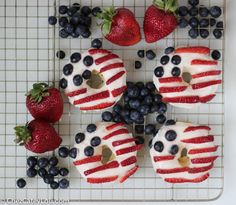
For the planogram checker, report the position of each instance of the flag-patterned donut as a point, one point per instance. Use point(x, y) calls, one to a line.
point(183, 152)
point(90, 159)
point(94, 80)
point(203, 77)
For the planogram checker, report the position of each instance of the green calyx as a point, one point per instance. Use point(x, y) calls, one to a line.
point(166, 5)
point(23, 134)
point(39, 91)
point(106, 16)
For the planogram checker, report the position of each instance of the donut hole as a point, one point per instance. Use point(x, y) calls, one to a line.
point(184, 159)
point(107, 155)
point(96, 80)
point(187, 77)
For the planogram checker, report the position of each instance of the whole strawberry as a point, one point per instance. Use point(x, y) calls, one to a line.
point(120, 27)
point(160, 20)
point(44, 102)
point(38, 136)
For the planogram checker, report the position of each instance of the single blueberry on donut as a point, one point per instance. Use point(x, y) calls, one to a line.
point(169, 50)
point(170, 135)
point(159, 71)
point(77, 80)
point(79, 137)
point(176, 72)
point(73, 153)
point(91, 128)
point(159, 146)
point(67, 69)
point(95, 141)
point(63, 83)
point(176, 60)
point(75, 57)
point(86, 74)
point(170, 122)
point(88, 60)
point(174, 149)
point(165, 59)
point(88, 151)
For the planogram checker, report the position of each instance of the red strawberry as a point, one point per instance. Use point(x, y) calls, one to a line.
point(160, 20)
point(44, 102)
point(38, 136)
point(120, 26)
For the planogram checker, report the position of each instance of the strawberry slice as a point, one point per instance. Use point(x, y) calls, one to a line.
point(194, 128)
point(206, 84)
point(204, 160)
point(124, 141)
point(184, 180)
point(128, 161)
point(76, 92)
point(207, 73)
point(163, 158)
point(195, 49)
point(172, 89)
point(118, 91)
point(96, 158)
point(182, 99)
point(207, 98)
point(116, 132)
point(99, 106)
point(102, 180)
point(173, 170)
point(128, 174)
point(115, 125)
point(170, 79)
point(199, 140)
point(202, 150)
point(128, 149)
point(203, 62)
point(200, 169)
point(96, 51)
point(106, 58)
point(115, 77)
point(111, 67)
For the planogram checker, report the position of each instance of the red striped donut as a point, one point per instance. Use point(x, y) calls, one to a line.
point(202, 69)
point(183, 152)
point(77, 80)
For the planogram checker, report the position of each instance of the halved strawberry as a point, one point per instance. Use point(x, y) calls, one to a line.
point(128, 174)
point(102, 179)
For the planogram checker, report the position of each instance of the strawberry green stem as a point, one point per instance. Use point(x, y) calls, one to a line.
point(23, 135)
point(39, 91)
point(167, 5)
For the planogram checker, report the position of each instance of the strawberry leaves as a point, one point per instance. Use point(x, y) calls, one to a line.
point(23, 135)
point(166, 5)
point(39, 91)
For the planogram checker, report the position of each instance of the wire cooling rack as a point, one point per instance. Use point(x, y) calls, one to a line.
point(27, 55)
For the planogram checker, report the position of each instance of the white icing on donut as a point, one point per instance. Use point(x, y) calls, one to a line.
point(203, 149)
point(111, 68)
point(203, 69)
point(110, 134)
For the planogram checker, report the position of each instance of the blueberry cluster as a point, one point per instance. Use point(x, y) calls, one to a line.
point(201, 19)
point(46, 169)
point(150, 55)
point(75, 20)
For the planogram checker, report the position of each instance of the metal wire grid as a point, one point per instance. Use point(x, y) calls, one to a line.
point(27, 55)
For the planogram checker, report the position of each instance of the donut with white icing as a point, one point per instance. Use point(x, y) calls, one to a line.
point(183, 153)
point(201, 77)
point(94, 80)
point(119, 165)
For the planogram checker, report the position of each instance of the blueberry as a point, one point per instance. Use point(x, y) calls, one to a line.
point(165, 59)
point(86, 74)
point(69, 28)
point(32, 161)
point(86, 34)
point(193, 2)
point(154, 108)
point(134, 115)
point(159, 71)
point(48, 178)
point(88, 60)
point(21, 183)
point(140, 120)
point(150, 54)
point(150, 129)
point(193, 11)
point(60, 54)
point(139, 129)
point(215, 11)
point(88, 151)
point(73, 153)
point(53, 161)
point(117, 108)
point(130, 84)
point(193, 33)
point(169, 50)
point(159, 146)
point(80, 29)
point(183, 11)
point(217, 33)
point(148, 100)
point(133, 91)
point(176, 59)
point(216, 55)
point(162, 108)
point(139, 140)
point(203, 12)
point(77, 80)
point(74, 35)
point(140, 85)
point(96, 10)
point(144, 92)
point(64, 183)
point(96, 43)
point(126, 98)
point(52, 20)
point(128, 120)
point(95, 141)
point(63, 33)
point(140, 53)
point(76, 19)
point(86, 21)
point(31, 172)
point(150, 144)
point(63, 9)
point(117, 118)
point(63, 21)
point(170, 122)
point(170, 135)
point(68, 69)
point(86, 10)
point(79, 137)
point(63, 152)
point(63, 83)
point(193, 22)
point(161, 119)
point(54, 171)
point(107, 116)
point(71, 11)
point(176, 71)
point(134, 103)
point(63, 172)
point(75, 57)
point(42, 172)
point(204, 23)
point(43, 162)
point(137, 64)
point(204, 33)
point(91, 128)
point(54, 185)
point(144, 109)
point(151, 86)
point(220, 24)
point(174, 149)
point(212, 21)
point(183, 23)
point(76, 5)
point(157, 98)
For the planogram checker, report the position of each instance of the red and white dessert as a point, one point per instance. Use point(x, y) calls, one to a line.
point(187, 77)
point(106, 153)
point(94, 80)
point(183, 152)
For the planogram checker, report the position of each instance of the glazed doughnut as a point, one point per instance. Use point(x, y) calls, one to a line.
point(187, 77)
point(183, 152)
point(117, 166)
point(94, 80)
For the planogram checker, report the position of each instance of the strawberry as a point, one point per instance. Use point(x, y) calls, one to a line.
point(160, 20)
point(38, 136)
point(120, 27)
point(44, 102)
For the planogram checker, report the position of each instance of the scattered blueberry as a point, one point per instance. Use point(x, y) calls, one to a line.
point(139, 140)
point(42, 172)
point(170, 135)
point(134, 115)
point(170, 122)
point(60, 54)
point(69, 28)
point(176, 59)
point(54, 185)
point(63, 183)
point(128, 120)
point(134, 103)
point(43, 162)
point(96, 43)
point(165, 59)
point(176, 72)
point(174, 149)
point(150, 129)
point(151, 86)
point(77, 80)
point(137, 64)
point(63, 172)
point(96, 10)
point(91, 128)
point(74, 35)
point(216, 55)
point(182, 11)
point(79, 137)
point(32, 161)
point(63, 9)
point(161, 119)
point(148, 100)
point(203, 12)
point(117, 108)
point(86, 74)
point(63, 152)
point(169, 50)
point(117, 118)
point(150, 54)
point(86, 34)
point(63, 21)
point(217, 33)
point(53, 161)
point(86, 10)
point(139, 129)
point(157, 98)
point(80, 29)
point(53, 171)
point(144, 109)
point(52, 20)
point(75, 57)
point(107, 116)
point(204, 23)
point(193, 33)
point(95, 141)
point(154, 108)
point(212, 21)
point(193, 11)
point(73, 153)
point(71, 11)
point(220, 24)
point(183, 23)
point(88, 60)
point(159, 71)
point(193, 2)
point(193, 22)
point(140, 85)
point(215, 11)
point(159, 146)
point(63, 33)
point(76, 5)
point(125, 112)
point(204, 33)
point(48, 178)
point(31, 172)
point(162, 108)
point(133, 91)
point(68, 69)
point(63, 83)
point(140, 120)
point(140, 53)
point(21, 183)
point(88, 151)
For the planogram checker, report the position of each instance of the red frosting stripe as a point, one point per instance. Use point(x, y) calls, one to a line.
point(106, 58)
point(115, 77)
point(96, 51)
point(128, 161)
point(172, 170)
point(128, 174)
point(124, 141)
point(102, 179)
point(205, 84)
point(118, 91)
point(170, 79)
point(111, 66)
point(194, 128)
point(184, 180)
point(199, 140)
point(163, 158)
point(207, 98)
point(96, 158)
point(172, 89)
point(76, 92)
point(202, 150)
point(204, 160)
point(203, 62)
point(116, 132)
point(115, 125)
point(182, 99)
point(98, 107)
point(195, 49)
point(128, 149)
point(200, 169)
point(207, 73)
